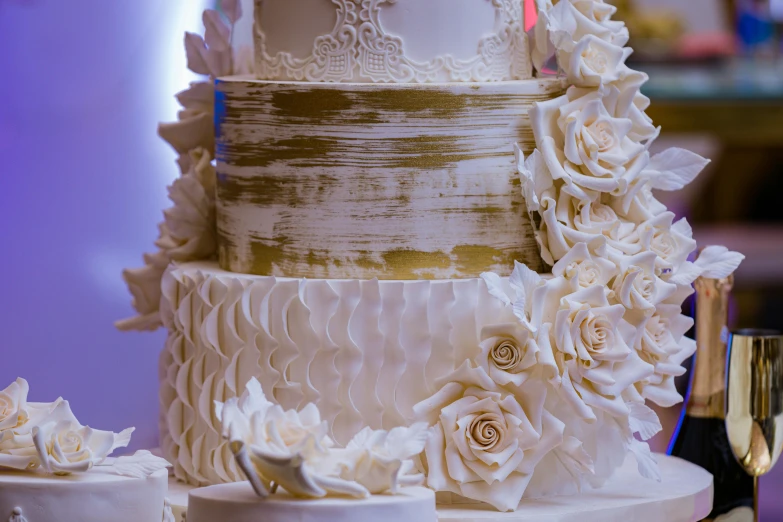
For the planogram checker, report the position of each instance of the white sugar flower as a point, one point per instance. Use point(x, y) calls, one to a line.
point(13, 405)
point(637, 286)
point(595, 362)
point(188, 231)
point(623, 99)
point(511, 355)
point(583, 269)
point(381, 460)
point(561, 24)
point(485, 444)
point(663, 345)
point(591, 62)
point(671, 241)
point(585, 146)
point(288, 448)
point(18, 419)
point(64, 446)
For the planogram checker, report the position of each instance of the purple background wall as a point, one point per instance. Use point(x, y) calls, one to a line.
point(82, 183)
point(83, 84)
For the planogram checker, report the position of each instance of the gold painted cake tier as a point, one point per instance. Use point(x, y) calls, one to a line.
point(374, 181)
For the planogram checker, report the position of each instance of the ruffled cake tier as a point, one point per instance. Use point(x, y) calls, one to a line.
point(364, 351)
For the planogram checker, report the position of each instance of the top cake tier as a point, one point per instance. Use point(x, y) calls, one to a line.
point(398, 41)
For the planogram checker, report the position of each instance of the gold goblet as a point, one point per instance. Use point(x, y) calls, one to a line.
point(754, 401)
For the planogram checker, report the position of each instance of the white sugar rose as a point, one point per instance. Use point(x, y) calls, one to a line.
point(591, 62)
point(637, 286)
point(672, 242)
point(562, 25)
point(18, 418)
point(663, 345)
point(583, 269)
point(485, 444)
point(624, 239)
point(511, 355)
point(568, 222)
point(188, 231)
point(639, 204)
point(586, 147)
point(595, 362)
point(64, 446)
point(13, 405)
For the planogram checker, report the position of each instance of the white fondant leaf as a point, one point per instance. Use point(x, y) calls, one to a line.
point(686, 274)
point(232, 9)
point(683, 227)
point(199, 95)
point(219, 62)
point(122, 439)
point(142, 464)
point(676, 168)
point(405, 443)
point(217, 34)
point(196, 50)
point(574, 458)
point(644, 420)
point(717, 262)
point(495, 287)
point(645, 460)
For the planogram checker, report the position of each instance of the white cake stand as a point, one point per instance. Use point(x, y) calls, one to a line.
point(683, 495)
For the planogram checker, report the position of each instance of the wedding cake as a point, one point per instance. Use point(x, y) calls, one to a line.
point(384, 215)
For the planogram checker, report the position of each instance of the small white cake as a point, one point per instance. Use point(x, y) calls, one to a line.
point(238, 503)
point(95, 496)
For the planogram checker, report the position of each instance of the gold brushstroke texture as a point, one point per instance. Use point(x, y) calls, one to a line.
point(363, 180)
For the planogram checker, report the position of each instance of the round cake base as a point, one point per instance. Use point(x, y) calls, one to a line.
point(684, 494)
point(238, 503)
point(95, 496)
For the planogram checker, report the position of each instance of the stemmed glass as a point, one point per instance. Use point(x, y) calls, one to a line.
point(754, 401)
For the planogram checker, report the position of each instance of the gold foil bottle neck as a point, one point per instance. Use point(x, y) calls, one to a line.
point(708, 384)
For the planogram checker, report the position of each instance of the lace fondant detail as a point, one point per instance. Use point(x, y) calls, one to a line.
point(359, 50)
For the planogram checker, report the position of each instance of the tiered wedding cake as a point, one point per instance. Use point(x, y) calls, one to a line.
point(353, 243)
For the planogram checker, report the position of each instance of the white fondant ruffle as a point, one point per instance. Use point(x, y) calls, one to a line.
point(364, 351)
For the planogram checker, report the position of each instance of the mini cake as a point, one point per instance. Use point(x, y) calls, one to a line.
point(53, 469)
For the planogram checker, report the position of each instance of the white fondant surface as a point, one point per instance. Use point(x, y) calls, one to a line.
point(94, 496)
point(238, 503)
point(683, 495)
point(397, 41)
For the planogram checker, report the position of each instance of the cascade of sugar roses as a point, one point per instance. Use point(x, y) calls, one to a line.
point(556, 396)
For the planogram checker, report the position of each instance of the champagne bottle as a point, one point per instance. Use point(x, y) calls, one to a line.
point(701, 434)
